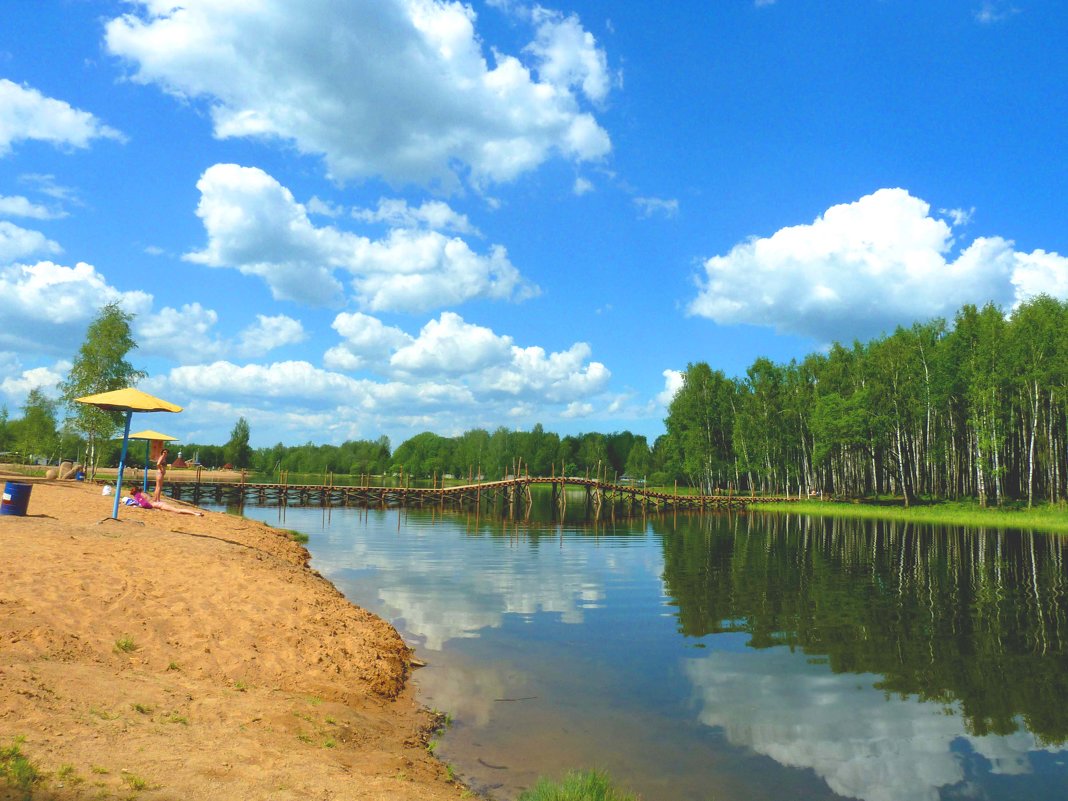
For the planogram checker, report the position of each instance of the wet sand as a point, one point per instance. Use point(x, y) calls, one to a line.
point(165, 656)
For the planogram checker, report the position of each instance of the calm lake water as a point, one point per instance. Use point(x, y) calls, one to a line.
point(736, 658)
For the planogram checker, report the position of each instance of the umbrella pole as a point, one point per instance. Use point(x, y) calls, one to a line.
point(122, 464)
point(148, 458)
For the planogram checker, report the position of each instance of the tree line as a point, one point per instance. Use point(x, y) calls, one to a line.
point(973, 409)
point(537, 452)
point(475, 453)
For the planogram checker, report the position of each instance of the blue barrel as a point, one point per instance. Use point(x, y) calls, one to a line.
point(16, 498)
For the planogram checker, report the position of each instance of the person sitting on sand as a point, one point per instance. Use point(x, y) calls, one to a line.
point(142, 500)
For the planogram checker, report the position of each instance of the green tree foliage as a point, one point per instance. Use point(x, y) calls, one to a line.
point(700, 426)
point(206, 455)
point(237, 451)
point(7, 436)
point(35, 433)
point(425, 454)
point(978, 408)
point(100, 366)
point(639, 459)
point(475, 453)
point(354, 457)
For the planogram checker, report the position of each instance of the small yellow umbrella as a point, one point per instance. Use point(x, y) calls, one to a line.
point(127, 400)
point(150, 436)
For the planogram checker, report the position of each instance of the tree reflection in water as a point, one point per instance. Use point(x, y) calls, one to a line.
point(975, 620)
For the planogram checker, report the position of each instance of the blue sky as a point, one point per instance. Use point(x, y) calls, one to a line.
point(347, 219)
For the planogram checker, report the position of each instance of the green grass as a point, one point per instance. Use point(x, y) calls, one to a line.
point(67, 773)
point(958, 513)
point(298, 536)
point(103, 714)
point(577, 786)
point(125, 645)
point(17, 771)
point(134, 781)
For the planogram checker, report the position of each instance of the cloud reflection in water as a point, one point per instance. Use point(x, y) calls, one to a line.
point(862, 743)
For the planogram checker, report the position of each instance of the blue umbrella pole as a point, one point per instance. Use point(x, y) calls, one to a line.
point(122, 465)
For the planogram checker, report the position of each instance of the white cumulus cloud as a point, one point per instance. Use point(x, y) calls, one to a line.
point(188, 335)
point(47, 306)
point(450, 345)
point(563, 376)
point(17, 386)
point(268, 333)
point(433, 214)
point(568, 55)
point(1039, 273)
point(19, 206)
point(290, 379)
point(367, 341)
point(419, 270)
point(185, 334)
point(577, 409)
point(396, 88)
point(673, 381)
point(19, 243)
point(865, 267)
point(255, 225)
point(452, 370)
point(451, 351)
point(27, 114)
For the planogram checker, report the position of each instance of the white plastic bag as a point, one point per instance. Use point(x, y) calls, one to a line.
point(106, 490)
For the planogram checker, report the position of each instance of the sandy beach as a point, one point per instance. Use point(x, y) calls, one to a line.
point(165, 656)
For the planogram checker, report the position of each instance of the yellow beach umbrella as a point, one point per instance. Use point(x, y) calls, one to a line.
point(127, 400)
point(153, 436)
point(150, 436)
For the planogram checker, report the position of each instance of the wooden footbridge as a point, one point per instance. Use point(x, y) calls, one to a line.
point(595, 495)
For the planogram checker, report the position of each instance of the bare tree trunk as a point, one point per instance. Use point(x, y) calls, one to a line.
point(1033, 397)
point(980, 479)
point(997, 459)
point(902, 478)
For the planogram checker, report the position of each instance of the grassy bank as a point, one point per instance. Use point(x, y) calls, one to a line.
point(957, 513)
point(588, 786)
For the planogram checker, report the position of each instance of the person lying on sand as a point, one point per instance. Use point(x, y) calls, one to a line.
point(140, 499)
